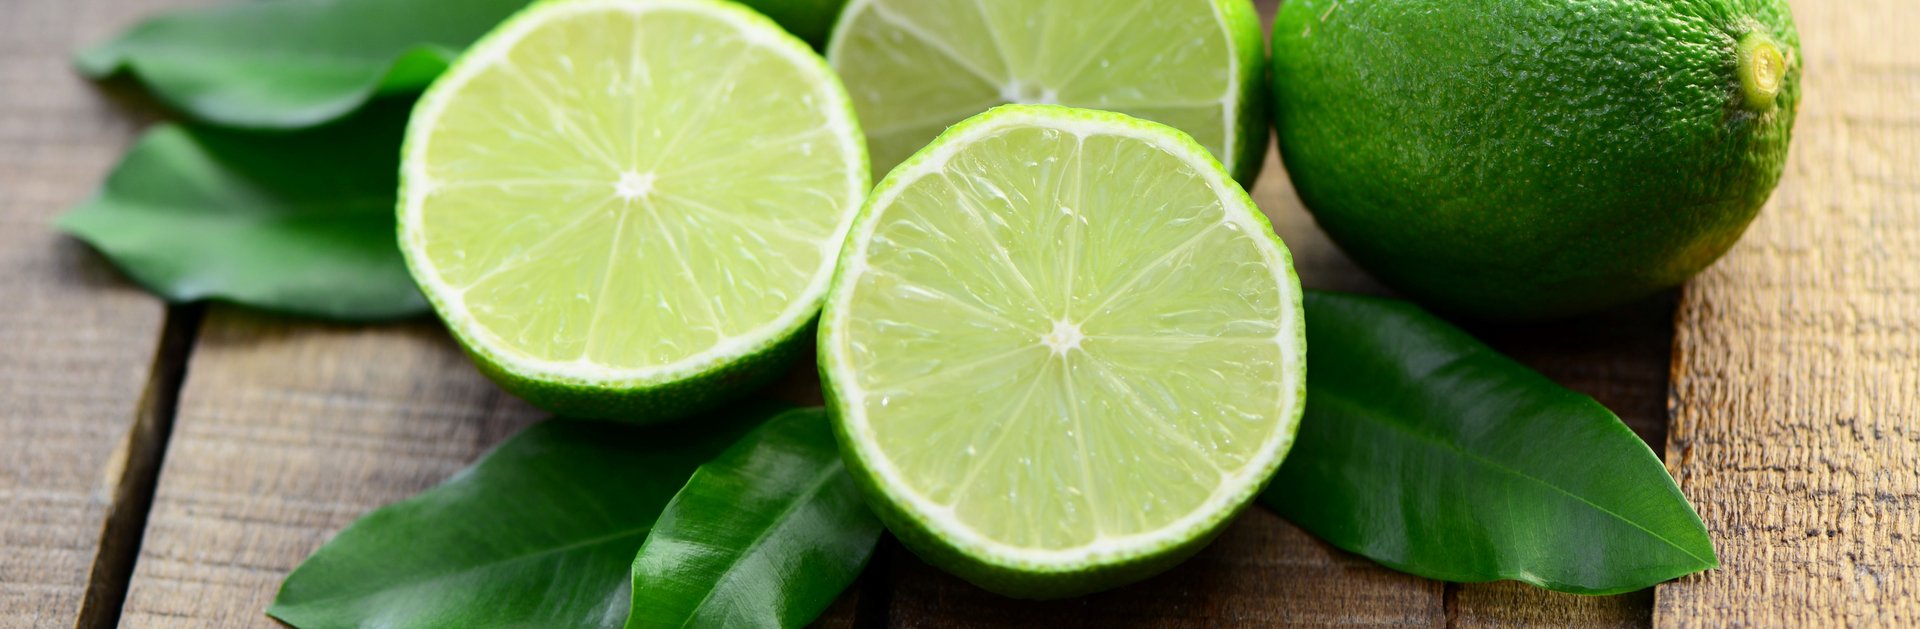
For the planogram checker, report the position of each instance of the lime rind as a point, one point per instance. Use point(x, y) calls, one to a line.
point(1249, 42)
point(928, 528)
point(653, 393)
point(1245, 101)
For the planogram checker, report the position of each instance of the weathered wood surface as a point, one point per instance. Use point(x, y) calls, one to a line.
point(79, 381)
point(286, 431)
point(1796, 425)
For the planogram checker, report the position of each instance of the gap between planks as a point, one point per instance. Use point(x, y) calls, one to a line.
point(77, 341)
point(144, 450)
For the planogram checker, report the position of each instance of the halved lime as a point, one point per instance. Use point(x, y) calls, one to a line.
point(1063, 349)
point(916, 66)
point(627, 209)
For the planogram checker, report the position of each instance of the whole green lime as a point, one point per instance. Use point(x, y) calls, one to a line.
point(1534, 158)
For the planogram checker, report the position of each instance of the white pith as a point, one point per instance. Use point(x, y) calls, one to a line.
point(1236, 486)
point(752, 28)
point(1064, 337)
point(1016, 91)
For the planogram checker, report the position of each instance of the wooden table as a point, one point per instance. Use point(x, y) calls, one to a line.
point(166, 466)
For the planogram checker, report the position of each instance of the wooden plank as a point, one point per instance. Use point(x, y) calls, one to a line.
point(287, 431)
point(1797, 382)
point(1511, 604)
point(1262, 572)
point(80, 395)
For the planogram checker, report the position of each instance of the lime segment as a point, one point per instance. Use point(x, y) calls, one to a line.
point(916, 66)
point(606, 197)
point(1064, 348)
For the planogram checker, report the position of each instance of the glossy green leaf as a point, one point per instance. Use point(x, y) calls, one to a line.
point(299, 223)
point(539, 533)
point(1425, 450)
point(293, 63)
point(297, 63)
point(766, 535)
point(810, 20)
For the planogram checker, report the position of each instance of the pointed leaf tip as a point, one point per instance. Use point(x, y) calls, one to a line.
point(1427, 451)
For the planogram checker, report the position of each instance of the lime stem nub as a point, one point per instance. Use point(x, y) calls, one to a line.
point(1763, 69)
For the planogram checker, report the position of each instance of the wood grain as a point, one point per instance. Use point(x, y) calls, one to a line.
point(1511, 604)
point(77, 343)
point(286, 431)
point(1262, 572)
point(1796, 428)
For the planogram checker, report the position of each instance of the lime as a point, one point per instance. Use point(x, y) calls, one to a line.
point(627, 209)
point(916, 66)
point(1062, 348)
point(1518, 160)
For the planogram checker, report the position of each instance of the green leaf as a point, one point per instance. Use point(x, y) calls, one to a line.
point(297, 63)
point(767, 535)
point(539, 533)
point(1428, 452)
point(810, 20)
point(293, 63)
point(299, 223)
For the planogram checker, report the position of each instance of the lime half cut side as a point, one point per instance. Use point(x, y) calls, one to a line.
point(628, 209)
point(914, 67)
point(1063, 348)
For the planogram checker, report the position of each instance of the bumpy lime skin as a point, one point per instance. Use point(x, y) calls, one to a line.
point(1530, 159)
